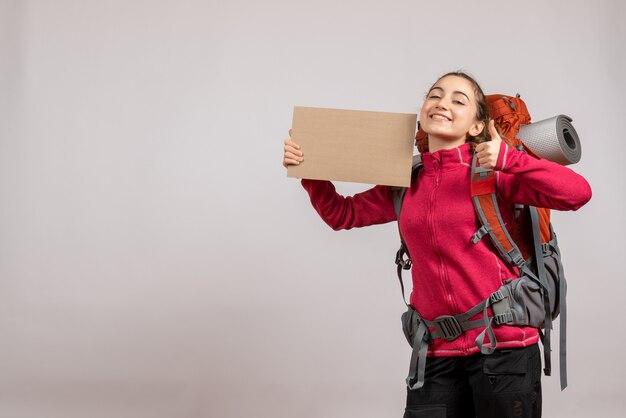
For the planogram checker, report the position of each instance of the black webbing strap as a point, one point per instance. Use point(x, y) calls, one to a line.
point(403, 262)
point(398, 197)
point(403, 258)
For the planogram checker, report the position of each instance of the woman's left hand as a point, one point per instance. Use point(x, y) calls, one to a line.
point(487, 152)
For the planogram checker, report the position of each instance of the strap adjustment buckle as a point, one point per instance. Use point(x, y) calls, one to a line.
point(497, 296)
point(480, 233)
point(516, 257)
point(503, 318)
point(447, 327)
point(402, 261)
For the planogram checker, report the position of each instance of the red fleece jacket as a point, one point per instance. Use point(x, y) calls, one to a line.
point(450, 274)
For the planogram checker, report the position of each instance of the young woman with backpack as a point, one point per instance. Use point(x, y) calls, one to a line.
point(451, 274)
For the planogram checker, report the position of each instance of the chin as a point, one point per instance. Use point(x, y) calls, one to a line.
point(446, 136)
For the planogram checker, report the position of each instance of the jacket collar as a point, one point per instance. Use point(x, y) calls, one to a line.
point(447, 159)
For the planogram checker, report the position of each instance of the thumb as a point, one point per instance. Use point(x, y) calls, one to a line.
point(493, 132)
point(290, 133)
point(492, 127)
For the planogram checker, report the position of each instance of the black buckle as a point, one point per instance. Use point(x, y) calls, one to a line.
point(496, 296)
point(516, 256)
point(503, 318)
point(547, 248)
point(448, 327)
point(405, 263)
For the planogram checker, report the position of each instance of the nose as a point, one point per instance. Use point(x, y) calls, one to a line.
point(442, 104)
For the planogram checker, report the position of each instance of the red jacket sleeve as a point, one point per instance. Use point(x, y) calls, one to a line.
point(371, 207)
point(526, 180)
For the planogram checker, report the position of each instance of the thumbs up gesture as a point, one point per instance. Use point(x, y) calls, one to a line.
point(487, 152)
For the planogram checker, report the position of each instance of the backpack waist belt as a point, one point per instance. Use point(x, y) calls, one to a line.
point(451, 327)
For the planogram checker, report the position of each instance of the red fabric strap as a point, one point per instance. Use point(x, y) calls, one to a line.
point(483, 186)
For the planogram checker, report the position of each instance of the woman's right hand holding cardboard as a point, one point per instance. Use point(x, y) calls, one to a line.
point(293, 154)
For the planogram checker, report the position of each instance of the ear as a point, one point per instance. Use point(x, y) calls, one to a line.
point(476, 128)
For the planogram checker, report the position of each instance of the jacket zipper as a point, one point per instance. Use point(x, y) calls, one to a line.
point(435, 244)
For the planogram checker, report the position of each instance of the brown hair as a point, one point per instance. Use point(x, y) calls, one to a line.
point(482, 109)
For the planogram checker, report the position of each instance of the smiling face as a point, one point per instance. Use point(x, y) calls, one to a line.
point(449, 112)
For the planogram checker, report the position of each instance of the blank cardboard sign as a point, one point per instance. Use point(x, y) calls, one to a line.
point(354, 145)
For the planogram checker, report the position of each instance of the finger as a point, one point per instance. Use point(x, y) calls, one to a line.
point(485, 150)
point(293, 150)
point(292, 144)
point(492, 130)
point(289, 161)
point(293, 156)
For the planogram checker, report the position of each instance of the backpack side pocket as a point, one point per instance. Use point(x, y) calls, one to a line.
point(410, 322)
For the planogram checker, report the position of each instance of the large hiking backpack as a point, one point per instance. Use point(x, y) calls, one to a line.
point(534, 299)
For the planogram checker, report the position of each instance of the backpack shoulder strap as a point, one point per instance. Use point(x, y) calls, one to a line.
point(483, 191)
point(403, 258)
point(397, 193)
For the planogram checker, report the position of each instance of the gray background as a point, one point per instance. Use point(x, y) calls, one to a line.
point(155, 261)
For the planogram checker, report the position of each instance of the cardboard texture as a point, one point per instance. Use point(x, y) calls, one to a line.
point(354, 145)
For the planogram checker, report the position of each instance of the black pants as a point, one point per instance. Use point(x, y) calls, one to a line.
point(504, 384)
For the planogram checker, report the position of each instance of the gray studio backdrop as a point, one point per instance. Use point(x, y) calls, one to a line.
point(155, 261)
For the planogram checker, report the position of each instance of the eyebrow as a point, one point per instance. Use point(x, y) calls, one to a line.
point(454, 92)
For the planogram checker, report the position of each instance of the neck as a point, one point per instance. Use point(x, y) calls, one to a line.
point(436, 143)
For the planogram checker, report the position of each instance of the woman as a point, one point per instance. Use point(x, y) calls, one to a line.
point(451, 274)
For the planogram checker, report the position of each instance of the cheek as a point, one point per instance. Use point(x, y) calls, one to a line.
point(466, 115)
point(423, 114)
